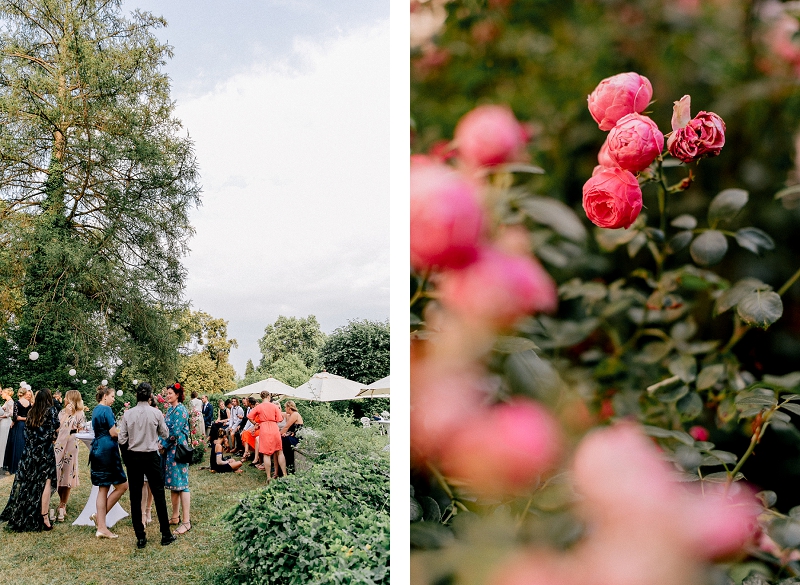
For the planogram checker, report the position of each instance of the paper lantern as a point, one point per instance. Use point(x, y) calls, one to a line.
point(84, 381)
point(135, 382)
point(34, 356)
point(119, 362)
point(72, 372)
point(119, 392)
point(104, 382)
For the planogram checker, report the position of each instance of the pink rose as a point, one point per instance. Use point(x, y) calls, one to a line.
point(498, 288)
point(446, 218)
point(489, 135)
point(603, 158)
point(634, 142)
point(691, 140)
point(612, 198)
point(531, 444)
point(618, 96)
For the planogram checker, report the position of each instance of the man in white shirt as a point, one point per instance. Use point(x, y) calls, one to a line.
point(197, 405)
point(237, 414)
point(139, 430)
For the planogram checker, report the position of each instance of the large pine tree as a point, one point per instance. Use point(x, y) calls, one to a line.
point(97, 178)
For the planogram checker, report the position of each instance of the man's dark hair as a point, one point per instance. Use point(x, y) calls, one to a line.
point(228, 402)
point(143, 392)
point(194, 394)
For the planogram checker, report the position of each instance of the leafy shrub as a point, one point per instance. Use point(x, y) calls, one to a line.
point(331, 432)
point(329, 525)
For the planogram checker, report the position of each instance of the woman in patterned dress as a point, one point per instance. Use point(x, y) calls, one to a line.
point(176, 475)
point(71, 419)
point(28, 505)
point(6, 413)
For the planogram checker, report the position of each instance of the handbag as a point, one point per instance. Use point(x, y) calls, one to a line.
point(183, 453)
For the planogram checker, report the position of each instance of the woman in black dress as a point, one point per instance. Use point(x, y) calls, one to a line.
point(218, 462)
point(16, 436)
point(29, 502)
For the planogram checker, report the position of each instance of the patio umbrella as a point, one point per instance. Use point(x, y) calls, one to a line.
point(377, 388)
point(326, 387)
point(271, 385)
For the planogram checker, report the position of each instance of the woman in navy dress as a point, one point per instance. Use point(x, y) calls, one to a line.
point(176, 475)
point(105, 460)
point(16, 436)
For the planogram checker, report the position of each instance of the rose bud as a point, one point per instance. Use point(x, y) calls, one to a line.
point(699, 433)
point(498, 289)
point(634, 142)
point(531, 446)
point(446, 218)
point(618, 96)
point(612, 198)
point(489, 135)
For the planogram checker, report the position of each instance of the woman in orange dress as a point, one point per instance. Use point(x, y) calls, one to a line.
point(266, 417)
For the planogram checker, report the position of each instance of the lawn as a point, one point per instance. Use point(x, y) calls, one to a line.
point(72, 554)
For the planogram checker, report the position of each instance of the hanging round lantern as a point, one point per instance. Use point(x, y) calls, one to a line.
point(84, 381)
point(34, 356)
point(119, 392)
point(119, 362)
point(72, 372)
point(135, 382)
point(104, 382)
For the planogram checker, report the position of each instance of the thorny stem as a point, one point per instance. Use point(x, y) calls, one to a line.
point(753, 442)
point(662, 197)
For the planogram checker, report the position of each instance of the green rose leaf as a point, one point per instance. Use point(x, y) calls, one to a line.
point(555, 214)
point(794, 190)
point(685, 222)
point(679, 241)
point(509, 344)
point(731, 297)
point(726, 205)
point(781, 416)
point(790, 380)
point(709, 248)
point(785, 531)
point(758, 400)
point(430, 535)
point(709, 376)
point(636, 244)
point(690, 406)
point(761, 309)
point(755, 240)
point(725, 456)
point(416, 510)
point(768, 498)
point(685, 367)
point(672, 394)
point(430, 508)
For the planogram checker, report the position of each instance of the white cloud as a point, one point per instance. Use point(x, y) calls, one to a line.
point(294, 159)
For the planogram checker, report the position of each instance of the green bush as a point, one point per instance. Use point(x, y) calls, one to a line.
point(329, 525)
point(327, 432)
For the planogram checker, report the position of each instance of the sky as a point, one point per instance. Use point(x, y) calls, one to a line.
point(287, 102)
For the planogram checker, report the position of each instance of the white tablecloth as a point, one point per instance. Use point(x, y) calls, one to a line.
point(115, 514)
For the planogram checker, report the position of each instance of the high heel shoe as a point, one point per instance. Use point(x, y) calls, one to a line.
point(93, 518)
point(46, 516)
point(99, 534)
point(62, 512)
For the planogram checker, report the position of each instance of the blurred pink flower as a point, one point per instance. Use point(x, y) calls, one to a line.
point(634, 142)
point(498, 288)
point(503, 449)
point(612, 198)
point(699, 433)
point(446, 218)
point(618, 96)
point(489, 135)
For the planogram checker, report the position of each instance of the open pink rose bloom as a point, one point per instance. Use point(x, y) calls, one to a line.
point(612, 198)
point(634, 142)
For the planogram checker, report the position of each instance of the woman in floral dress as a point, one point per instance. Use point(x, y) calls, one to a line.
point(71, 419)
point(176, 475)
point(28, 504)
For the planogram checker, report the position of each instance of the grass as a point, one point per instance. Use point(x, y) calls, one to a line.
point(71, 554)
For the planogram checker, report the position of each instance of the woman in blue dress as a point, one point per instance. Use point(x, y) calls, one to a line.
point(105, 460)
point(176, 475)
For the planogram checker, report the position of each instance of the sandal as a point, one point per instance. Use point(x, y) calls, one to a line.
point(187, 525)
point(46, 516)
point(62, 512)
point(175, 520)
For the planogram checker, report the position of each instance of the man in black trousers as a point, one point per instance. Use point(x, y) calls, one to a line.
point(139, 430)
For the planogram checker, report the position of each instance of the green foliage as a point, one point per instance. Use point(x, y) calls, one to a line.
point(204, 366)
point(327, 525)
point(358, 351)
point(291, 335)
point(331, 433)
point(96, 181)
point(289, 369)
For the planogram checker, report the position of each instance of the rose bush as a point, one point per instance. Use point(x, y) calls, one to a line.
point(508, 380)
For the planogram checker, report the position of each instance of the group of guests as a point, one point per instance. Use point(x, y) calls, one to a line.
point(258, 431)
point(145, 439)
